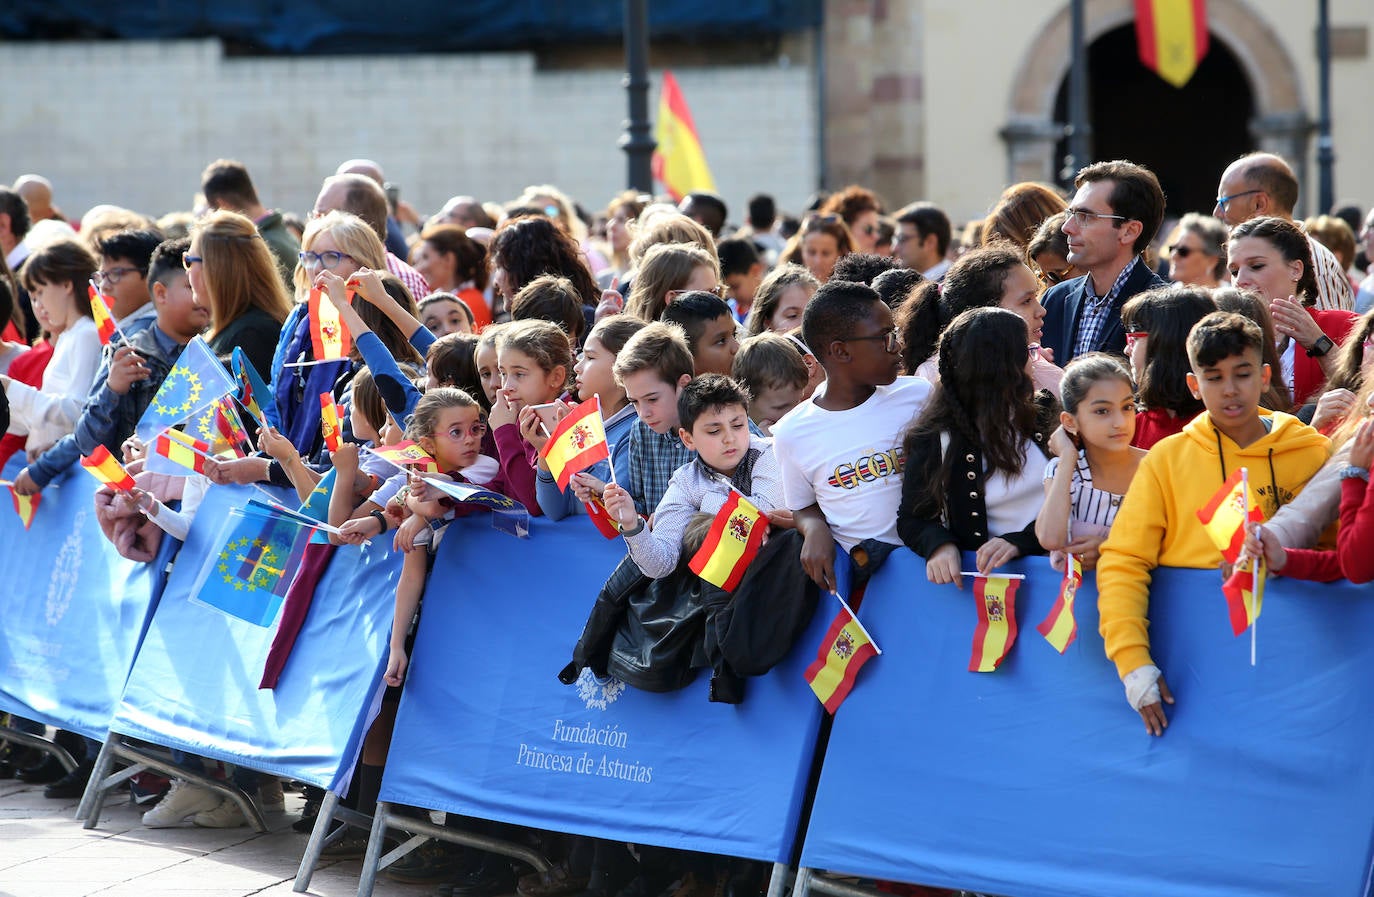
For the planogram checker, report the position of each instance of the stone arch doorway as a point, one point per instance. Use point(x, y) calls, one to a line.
point(1131, 119)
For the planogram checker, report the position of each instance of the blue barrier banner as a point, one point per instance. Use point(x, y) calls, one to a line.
point(1039, 780)
point(74, 610)
point(194, 685)
point(486, 729)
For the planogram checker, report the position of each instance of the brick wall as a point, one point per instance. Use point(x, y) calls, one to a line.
point(133, 123)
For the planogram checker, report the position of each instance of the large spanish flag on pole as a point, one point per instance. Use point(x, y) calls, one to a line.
point(1172, 35)
point(679, 162)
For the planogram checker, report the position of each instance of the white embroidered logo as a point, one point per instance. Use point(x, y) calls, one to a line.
point(598, 694)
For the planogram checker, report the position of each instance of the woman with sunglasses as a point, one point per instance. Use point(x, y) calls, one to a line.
point(1196, 249)
point(234, 275)
point(821, 242)
point(860, 209)
point(1048, 251)
point(1157, 323)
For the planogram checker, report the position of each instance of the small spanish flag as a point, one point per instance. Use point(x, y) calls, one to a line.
point(995, 597)
point(252, 392)
point(578, 442)
point(843, 652)
point(734, 539)
point(1172, 36)
point(329, 336)
point(329, 422)
point(1226, 513)
point(102, 309)
point(229, 427)
point(103, 466)
point(182, 449)
point(601, 518)
point(679, 163)
point(1244, 591)
point(1060, 628)
point(25, 505)
point(407, 454)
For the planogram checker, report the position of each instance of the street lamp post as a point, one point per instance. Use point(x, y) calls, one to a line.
point(1326, 149)
point(637, 141)
point(1078, 95)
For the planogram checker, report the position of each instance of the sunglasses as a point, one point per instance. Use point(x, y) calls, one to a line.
point(1050, 278)
point(1134, 337)
point(1182, 251)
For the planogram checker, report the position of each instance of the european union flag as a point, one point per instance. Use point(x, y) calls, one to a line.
point(248, 577)
point(253, 394)
point(194, 383)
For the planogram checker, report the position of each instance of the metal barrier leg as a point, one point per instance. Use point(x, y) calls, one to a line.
point(104, 762)
point(368, 879)
point(39, 743)
point(316, 842)
point(779, 880)
point(802, 886)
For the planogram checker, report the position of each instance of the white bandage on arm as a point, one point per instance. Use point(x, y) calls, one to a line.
point(1142, 686)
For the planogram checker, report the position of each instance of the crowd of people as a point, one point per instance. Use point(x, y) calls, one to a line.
point(1070, 375)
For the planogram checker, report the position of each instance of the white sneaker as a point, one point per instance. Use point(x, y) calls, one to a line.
point(183, 799)
point(226, 815)
point(271, 798)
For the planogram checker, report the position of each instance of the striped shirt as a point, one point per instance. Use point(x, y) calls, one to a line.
point(1333, 285)
point(1091, 509)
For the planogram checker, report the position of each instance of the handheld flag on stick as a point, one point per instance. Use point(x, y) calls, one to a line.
point(25, 505)
point(578, 442)
point(102, 310)
point(1244, 591)
point(329, 422)
point(847, 646)
point(192, 385)
point(1059, 627)
point(103, 466)
point(601, 518)
point(1226, 513)
point(732, 542)
point(248, 577)
point(252, 393)
point(1172, 37)
point(183, 450)
point(229, 428)
point(679, 162)
point(407, 454)
point(995, 598)
point(329, 336)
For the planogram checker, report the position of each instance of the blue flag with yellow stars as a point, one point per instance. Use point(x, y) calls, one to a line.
point(248, 577)
point(194, 383)
point(316, 504)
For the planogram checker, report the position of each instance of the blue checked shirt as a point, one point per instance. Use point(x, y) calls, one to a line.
point(653, 458)
point(1096, 310)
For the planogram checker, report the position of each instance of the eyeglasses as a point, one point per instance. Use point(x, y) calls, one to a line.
point(1223, 200)
point(474, 431)
point(899, 239)
point(1084, 217)
point(112, 276)
point(1050, 278)
point(868, 230)
point(188, 260)
point(892, 341)
point(1134, 337)
point(328, 259)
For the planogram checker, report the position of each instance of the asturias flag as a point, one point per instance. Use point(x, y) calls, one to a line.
point(248, 577)
point(25, 506)
point(843, 652)
point(578, 442)
point(192, 385)
point(1172, 36)
point(995, 597)
point(102, 309)
point(734, 539)
point(1225, 514)
point(329, 336)
point(679, 162)
point(1059, 627)
point(103, 466)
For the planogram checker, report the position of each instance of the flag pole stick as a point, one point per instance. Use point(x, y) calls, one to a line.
point(976, 574)
point(313, 361)
point(113, 320)
point(855, 617)
point(1256, 570)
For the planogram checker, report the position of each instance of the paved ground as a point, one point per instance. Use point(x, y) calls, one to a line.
point(44, 852)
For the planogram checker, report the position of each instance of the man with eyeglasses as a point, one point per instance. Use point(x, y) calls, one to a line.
point(123, 277)
point(922, 239)
point(1111, 220)
point(1261, 184)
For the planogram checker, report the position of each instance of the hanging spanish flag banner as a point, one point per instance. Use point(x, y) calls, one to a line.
point(1172, 36)
point(734, 539)
point(578, 442)
point(25, 506)
point(1226, 513)
point(1059, 627)
point(843, 652)
point(102, 310)
point(330, 424)
point(103, 466)
point(679, 162)
point(329, 336)
point(995, 597)
point(1244, 591)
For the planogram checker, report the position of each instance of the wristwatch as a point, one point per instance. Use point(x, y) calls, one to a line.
point(1320, 347)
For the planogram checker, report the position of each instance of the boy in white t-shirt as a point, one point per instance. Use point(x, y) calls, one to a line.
point(840, 451)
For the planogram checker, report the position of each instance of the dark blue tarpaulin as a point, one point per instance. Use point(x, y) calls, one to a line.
point(350, 26)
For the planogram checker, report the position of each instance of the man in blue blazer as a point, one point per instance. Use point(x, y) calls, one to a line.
point(1112, 219)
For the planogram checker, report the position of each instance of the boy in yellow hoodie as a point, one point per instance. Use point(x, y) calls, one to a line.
point(1157, 523)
